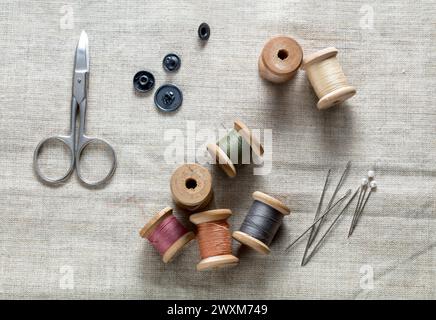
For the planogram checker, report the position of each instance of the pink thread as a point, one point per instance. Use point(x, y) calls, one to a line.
point(165, 234)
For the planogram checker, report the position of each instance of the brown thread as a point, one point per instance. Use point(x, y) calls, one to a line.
point(214, 239)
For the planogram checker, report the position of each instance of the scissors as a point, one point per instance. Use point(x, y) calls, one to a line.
point(76, 143)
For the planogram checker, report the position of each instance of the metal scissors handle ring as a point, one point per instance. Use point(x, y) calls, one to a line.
point(83, 144)
point(66, 140)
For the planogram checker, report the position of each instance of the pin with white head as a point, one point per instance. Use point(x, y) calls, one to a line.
point(372, 187)
point(371, 174)
point(363, 187)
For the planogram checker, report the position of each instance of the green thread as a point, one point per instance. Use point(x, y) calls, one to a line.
point(233, 141)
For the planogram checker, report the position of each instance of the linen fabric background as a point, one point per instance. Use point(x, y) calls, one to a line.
point(72, 242)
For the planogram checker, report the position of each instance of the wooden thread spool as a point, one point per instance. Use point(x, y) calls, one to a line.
point(214, 239)
point(191, 186)
point(276, 211)
point(280, 59)
point(169, 241)
point(327, 78)
point(243, 135)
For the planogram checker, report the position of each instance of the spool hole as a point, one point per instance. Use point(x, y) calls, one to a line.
point(282, 54)
point(191, 183)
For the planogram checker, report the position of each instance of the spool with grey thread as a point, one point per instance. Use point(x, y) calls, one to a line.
point(262, 222)
point(230, 149)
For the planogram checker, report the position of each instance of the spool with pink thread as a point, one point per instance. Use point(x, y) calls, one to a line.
point(166, 234)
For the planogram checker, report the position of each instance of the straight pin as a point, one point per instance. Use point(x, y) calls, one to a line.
point(372, 186)
point(363, 186)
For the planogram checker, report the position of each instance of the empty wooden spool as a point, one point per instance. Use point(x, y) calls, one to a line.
point(191, 186)
point(280, 59)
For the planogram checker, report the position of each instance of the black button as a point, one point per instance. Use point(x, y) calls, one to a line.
point(171, 62)
point(204, 31)
point(143, 81)
point(168, 98)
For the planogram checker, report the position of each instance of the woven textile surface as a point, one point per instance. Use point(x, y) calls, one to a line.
point(72, 242)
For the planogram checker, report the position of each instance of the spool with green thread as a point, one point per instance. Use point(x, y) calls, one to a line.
point(233, 142)
point(232, 147)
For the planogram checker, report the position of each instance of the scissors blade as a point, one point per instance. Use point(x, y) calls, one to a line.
point(81, 69)
point(81, 63)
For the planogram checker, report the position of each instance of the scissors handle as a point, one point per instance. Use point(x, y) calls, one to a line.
point(85, 141)
point(69, 142)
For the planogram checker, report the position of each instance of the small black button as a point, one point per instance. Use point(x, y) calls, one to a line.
point(168, 98)
point(143, 81)
point(171, 62)
point(204, 31)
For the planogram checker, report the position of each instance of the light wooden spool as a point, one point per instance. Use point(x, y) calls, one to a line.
point(216, 262)
point(177, 246)
point(313, 64)
point(280, 59)
point(221, 157)
point(191, 186)
point(252, 242)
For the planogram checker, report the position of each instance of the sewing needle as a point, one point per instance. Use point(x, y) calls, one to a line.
point(330, 227)
point(326, 213)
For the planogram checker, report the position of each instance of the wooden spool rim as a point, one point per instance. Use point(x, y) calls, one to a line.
point(319, 56)
point(245, 133)
point(210, 216)
point(155, 221)
point(183, 196)
point(336, 97)
point(292, 61)
point(217, 262)
point(177, 246)
point(222, 159)
point(251, 242)
point(272, 202)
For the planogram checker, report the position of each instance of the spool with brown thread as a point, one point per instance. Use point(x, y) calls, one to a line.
point(280, 59)
point(262, 222)
point(236, 142)
point(327, 78)
point(214, 239)
point(166, 234)
point(191, 187)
